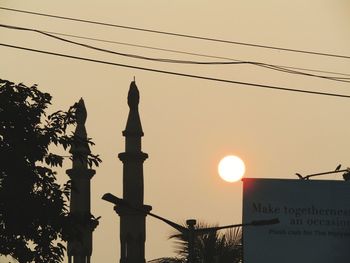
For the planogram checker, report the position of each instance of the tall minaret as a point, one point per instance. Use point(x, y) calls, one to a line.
point(132, 222)
point(80, 248)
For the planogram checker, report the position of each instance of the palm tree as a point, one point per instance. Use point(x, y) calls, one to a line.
point(167, 260)
point(212, 247)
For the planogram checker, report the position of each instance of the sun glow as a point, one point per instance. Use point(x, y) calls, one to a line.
point(231, 168)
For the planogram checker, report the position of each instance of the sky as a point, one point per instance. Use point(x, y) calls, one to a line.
point(190, 124)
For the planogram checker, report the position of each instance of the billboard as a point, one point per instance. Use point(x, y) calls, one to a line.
point(314, 221)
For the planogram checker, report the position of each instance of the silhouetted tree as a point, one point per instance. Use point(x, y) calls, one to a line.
point(167, 260)
point(34, 218)
point(213, 247)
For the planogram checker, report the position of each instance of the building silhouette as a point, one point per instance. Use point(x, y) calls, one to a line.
point(80, 248)
point(132, 221)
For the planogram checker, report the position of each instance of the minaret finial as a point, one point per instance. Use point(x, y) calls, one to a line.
point(133, 96)
point(81, 146)
point(81, 112)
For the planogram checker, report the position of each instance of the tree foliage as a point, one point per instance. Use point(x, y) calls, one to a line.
point(167, 260)
point(34, 217)
point(214, 247)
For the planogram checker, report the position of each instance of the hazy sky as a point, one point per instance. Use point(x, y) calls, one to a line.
point(190, 124)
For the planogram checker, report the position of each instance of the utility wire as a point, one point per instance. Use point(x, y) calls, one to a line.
point(119, 53)
point(179, 73)
point(189, 53)
point(177, 34)
point(306, 74)
point(173, 60)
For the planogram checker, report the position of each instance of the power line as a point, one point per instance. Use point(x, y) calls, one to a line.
point(178, 73)
point(268, 66)
point(177, 34)
point(189, 53)
point(306, 74)
point(120, 53)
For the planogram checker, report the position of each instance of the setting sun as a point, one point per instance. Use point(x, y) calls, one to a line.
point(231, 168)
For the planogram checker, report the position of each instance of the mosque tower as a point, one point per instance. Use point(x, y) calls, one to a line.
point(132, 222)
point(80, 249)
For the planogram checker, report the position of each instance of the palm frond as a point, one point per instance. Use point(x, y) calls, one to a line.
point(212, 247)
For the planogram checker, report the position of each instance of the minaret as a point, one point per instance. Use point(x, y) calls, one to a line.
point(132, 222)
point(80, 248)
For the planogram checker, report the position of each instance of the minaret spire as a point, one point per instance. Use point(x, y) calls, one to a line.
point(133, 125)
point(80, 249)
point(132, 222)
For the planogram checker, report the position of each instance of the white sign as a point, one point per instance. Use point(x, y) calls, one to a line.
point(314, 221)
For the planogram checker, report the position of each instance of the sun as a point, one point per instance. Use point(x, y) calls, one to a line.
point(231, 168)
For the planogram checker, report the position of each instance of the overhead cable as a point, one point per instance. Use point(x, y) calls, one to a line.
point(263, 86)
point(189, 53)
point(174, 60)
point(177, 34)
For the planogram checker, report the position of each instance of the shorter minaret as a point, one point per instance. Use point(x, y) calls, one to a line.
point(80, 249)
point(133, 222)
